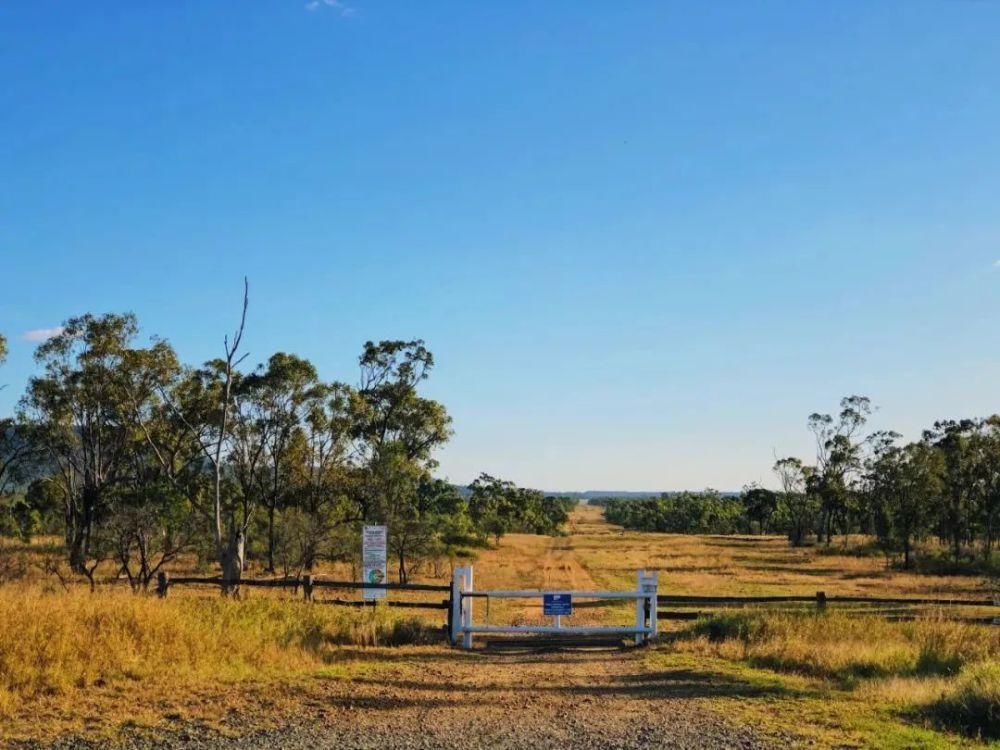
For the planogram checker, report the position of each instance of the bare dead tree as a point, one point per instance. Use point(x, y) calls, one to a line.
point(229, 521)
point(230, 530)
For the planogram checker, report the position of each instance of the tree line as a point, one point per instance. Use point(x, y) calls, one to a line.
point(136, 459)
point(943, 487)
point(707, 512)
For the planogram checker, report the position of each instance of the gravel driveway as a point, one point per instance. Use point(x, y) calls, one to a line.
point(590, 699)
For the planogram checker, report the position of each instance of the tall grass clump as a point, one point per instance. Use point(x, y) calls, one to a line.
point(53, 644)
point(841, 647)
point(972, 703)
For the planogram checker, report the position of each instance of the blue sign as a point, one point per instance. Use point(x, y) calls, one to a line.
point(557, 604)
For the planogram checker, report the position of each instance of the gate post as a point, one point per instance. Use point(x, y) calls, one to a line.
point(645, 606)
point(455, 608)
point(653, 589)
point(467, 608)
point(640, 608)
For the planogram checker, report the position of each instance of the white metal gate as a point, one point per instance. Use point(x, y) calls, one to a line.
point(463, 595)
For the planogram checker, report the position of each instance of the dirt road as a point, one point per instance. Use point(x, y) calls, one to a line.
point(446, 699)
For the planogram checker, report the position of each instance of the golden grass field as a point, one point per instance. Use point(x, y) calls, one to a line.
point(82, 662)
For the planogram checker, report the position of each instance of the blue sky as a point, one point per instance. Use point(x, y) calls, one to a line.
point(644, 240)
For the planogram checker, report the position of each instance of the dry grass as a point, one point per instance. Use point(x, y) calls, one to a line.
point(847, 649)
point(55, 645)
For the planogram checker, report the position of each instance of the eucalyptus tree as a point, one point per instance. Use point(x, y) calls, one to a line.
point(151, 515)
point(953, 438)
point(498, 507)
point(839, 459)
point(759, 504)
point(984, 475)
point(16, 453)
point(17, 462)
point(390, 415)
point(79, 422)
point(15, 449)
point(794, 502)
point(434, 524)
point(324, 483)
point(81, 418)
point(493, 506)
point(270, 414)
point(394, 432)
point(553, 511)
point(149, 524)
point(904, 483)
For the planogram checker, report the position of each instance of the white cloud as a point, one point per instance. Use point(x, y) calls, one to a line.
point(996, 264)
point(339, 6)
point(41, 334)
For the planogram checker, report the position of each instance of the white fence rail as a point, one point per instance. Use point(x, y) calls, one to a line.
point(463, 595)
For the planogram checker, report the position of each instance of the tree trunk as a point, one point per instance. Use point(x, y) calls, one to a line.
point(232, 560)
point(402, 567)
point(906, 551)
point(270, 538)
point(77, 553)
point(796, 535)
point(956, 526)
point(79, 528)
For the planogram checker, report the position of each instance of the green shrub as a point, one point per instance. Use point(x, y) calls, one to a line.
point(412, 631)
point(738, 626)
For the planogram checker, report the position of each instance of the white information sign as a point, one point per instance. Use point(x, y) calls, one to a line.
point(373, 557)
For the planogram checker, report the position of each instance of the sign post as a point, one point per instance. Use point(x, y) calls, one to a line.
point(557, 605)
point(373, 560)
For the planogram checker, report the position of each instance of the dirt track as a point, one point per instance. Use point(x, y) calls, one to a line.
point(578, 700)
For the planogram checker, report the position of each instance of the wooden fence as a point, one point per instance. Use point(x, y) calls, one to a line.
point(668, 606)
point(309, 585)
point(892, 608)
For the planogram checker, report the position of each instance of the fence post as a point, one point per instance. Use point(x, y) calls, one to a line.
point(821, 600)
point(307, 587)
point(162, 584)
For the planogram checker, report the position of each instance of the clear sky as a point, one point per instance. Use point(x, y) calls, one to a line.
point(644, 240)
